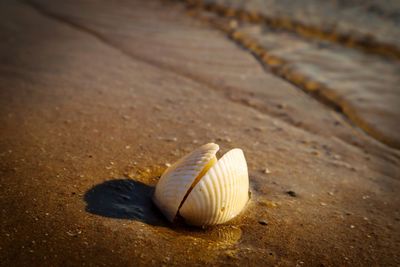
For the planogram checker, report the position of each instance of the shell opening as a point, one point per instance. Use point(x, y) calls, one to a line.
point(198, 178)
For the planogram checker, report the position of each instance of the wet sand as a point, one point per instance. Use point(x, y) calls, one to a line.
point(344, 54)
point(97, 97)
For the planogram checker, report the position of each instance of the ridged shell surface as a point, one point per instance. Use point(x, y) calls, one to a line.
point(177, 179)
point(221, 194)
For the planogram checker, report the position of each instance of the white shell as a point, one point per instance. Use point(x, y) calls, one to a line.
point(178, 178)
point(215, 191)
point(221, 194)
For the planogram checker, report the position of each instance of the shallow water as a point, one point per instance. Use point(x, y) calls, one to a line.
point(364, 86)
point(371, 20)
point(334, 50)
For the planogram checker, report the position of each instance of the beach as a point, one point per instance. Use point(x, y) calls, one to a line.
point(98, 98)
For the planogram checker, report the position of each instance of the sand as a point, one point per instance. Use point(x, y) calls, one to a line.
point(97, 98)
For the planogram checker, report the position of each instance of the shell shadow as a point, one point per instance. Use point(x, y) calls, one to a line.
point(129, 199)
point(124, 199)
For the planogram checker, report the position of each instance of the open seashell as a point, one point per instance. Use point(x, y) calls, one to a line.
point(202, 189)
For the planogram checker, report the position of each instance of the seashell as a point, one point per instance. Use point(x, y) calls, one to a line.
point(202, 189)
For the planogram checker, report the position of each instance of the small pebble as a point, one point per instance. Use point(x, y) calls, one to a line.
point(291, 193)
point(263, 222)
point(352, 226)
point(267, 171)
point(281, 106)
